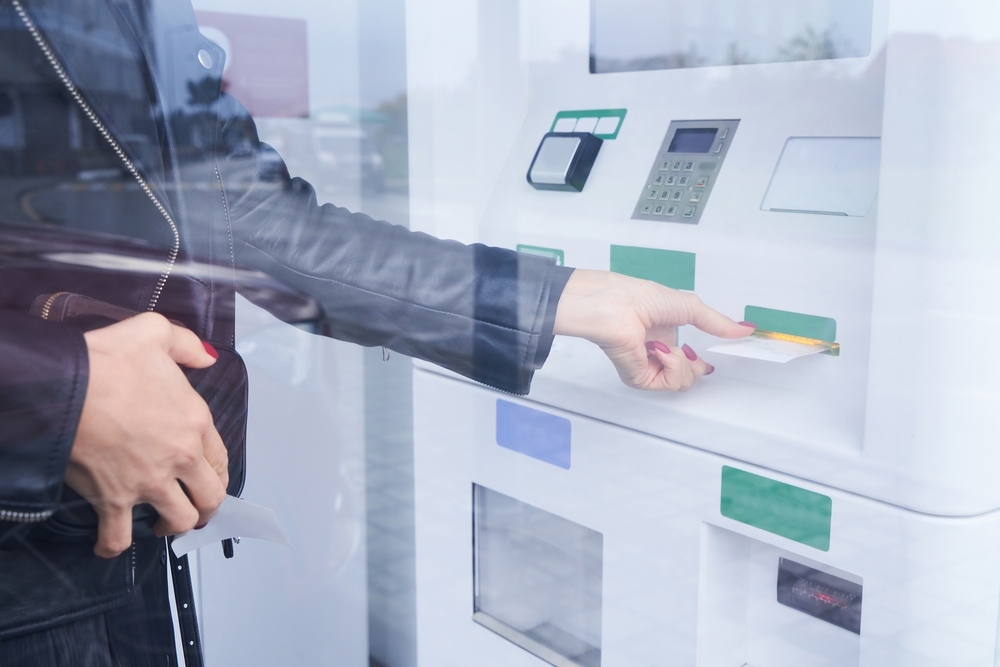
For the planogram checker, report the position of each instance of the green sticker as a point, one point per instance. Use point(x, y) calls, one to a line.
point(667, 267)
point(557, 255)
point(794, 324)
point(782, 509)
point(601, 130)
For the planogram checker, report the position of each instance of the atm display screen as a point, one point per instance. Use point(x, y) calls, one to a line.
point(633, 35)
point(693, 140)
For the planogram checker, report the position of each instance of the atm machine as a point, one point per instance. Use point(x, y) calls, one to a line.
point(825, 170)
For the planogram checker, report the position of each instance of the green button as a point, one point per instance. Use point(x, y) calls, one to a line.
point(667, 267)
point(782, 509)
point(555, 254)
point(794, 324)
point(598, 114)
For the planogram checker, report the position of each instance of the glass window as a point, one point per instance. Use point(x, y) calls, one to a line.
point(631, 35)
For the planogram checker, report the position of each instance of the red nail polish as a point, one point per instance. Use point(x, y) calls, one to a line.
point(711, 369)
point(211, 350)
point(201, 526)
point(689, 353)
point(660, 347)
point(748, 324)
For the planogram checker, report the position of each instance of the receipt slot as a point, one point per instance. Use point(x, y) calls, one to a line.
point(821, 595)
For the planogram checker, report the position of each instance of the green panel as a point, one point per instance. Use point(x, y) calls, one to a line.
point(795, 324)
point(594, 113)
point(776, 507)
point(667, 267)
point(557, 255)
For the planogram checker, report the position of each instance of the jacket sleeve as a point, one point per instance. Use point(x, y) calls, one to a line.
point(486, 313)
point(43, 382)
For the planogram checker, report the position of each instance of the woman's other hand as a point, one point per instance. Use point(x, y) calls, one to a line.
point(145, 435)
point(635, 323)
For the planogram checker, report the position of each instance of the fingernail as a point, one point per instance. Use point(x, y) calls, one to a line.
point(211, 350)
point(689, 353)
point(748, 324)
point(711, 369)
point(200, 526)
point(654, 345)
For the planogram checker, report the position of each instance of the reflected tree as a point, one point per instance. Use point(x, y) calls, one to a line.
point(735, 56)
point(812, 44)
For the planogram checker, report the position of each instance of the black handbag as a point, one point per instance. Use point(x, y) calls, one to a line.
point(90, 296)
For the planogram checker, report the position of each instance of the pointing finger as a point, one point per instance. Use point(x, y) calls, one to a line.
point(713, 322)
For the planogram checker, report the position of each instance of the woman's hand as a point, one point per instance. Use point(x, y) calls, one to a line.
point(635, 323)
point(145, 435)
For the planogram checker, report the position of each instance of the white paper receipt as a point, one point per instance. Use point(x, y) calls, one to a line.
point(235, 518)
point(766, 349)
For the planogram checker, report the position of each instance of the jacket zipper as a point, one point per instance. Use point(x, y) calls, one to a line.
point(24, 517)
point(32, 517)
point(229, 230)
point(47, 308)
point(12, 516)
point(35, 517)
point(113, 143)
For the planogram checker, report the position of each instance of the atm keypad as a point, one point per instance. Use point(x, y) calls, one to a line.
point(685, 195)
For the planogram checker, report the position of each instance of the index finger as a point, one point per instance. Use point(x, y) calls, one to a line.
point(713, 322)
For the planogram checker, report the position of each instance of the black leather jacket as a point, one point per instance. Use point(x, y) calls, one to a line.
point(240, 220)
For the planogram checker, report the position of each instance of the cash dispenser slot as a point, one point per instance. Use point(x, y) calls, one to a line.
point(537, 579)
